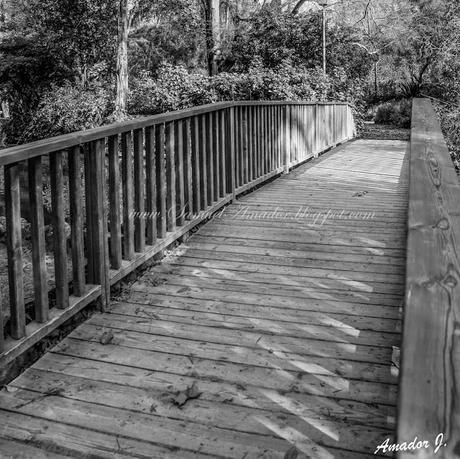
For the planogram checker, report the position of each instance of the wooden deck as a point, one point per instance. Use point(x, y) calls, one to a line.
point(281, 323)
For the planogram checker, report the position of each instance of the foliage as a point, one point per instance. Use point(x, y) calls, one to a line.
point(449, 116)
point(176, 88)
point(275, 38)
point(67, 109)
point(166, 31)
point(396, 113)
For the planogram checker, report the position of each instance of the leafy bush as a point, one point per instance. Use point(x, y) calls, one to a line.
point(67, 109)
point(449, 117)
point(396, 113)
point(175, 88)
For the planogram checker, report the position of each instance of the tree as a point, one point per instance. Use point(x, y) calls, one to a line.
point(211, 10)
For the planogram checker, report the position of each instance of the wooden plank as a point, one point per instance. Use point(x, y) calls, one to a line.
point(76, 222)
point(71, 439)
point(115, 211)
point(161, 179)
point(208, 409)
point(128, 195)
point(170, 149)
point(151, 186)
point(139, 191)
point(59, 232)
point(429, 403)
point(37, 223)
point(14, 251)
point(35, 332)
point(179, 148)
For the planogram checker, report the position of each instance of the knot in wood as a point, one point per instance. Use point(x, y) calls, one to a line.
point(443, 224)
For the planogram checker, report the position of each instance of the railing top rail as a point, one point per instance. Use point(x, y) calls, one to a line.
point(429, 402)
point(62, 142)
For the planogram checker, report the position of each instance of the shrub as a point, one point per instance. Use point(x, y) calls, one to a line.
point(449, 117)
point(173, 89)
point(68, 109)
point(396, 113)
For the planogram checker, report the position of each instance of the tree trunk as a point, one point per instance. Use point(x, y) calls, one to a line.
point(213, 45)
point(122, 59)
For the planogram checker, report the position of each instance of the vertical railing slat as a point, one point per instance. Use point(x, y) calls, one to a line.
point(114, 203)
point(161, 179)
point(14, 251)
point(216, 153)
point(179, 147)
point(150, 179)
point(230, 150)
point(188, 176)
point(170, 177)
point(209, 158)
point(203, 163)
point(139, 191)
point(222, 161)
point(98, 228)
point(195, 160)
point(37, 224)
point(76, 221)
point(128, 196)
point(59, 233)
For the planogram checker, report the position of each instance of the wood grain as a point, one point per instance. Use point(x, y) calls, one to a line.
point(429, 401)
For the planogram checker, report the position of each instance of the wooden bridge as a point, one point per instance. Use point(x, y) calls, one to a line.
point(272, 327)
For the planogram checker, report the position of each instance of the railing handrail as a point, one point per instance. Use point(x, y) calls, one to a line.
point(429, 403)
point(29, 150)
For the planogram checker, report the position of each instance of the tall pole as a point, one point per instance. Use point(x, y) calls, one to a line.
point(324, 39)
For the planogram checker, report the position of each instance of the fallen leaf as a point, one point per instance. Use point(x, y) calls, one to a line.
point(106, 337)
point(190, 393)
point(360, 194)
point(11, 389)
point(291, 453)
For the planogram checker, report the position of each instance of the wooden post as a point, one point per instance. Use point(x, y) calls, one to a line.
point(59, 234)
point(188, 178)
point(287, 138)
point(170, 177)
point(98, 220)
point(128, 196)
point(161, 179)
point(196, 170)
point(151, 185)
point(38, 238)
point(114, 204)
point(203, 163)
point(139, 191)
point(230, 152)
point(179, 171)
point(14, 250)
point(76, 221)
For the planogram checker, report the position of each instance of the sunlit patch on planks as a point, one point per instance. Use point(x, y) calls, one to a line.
point(265, 331)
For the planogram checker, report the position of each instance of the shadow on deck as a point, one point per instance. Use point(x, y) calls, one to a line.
point(276, 324)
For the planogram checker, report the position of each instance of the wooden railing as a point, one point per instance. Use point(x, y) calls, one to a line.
point(136, 187)
point(429, 405)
